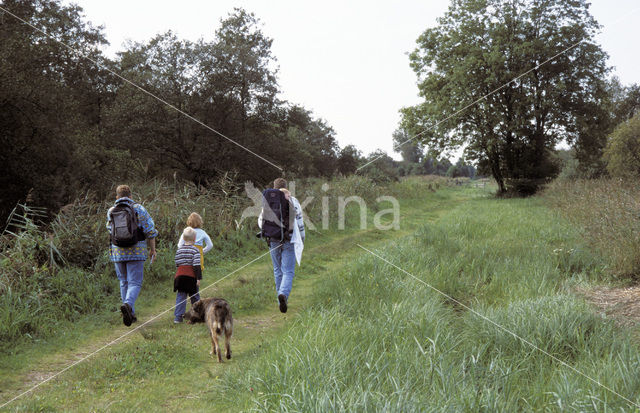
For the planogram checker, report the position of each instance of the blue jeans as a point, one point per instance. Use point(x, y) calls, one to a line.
point(284, 261)
point(130, 275)
point(181, 304)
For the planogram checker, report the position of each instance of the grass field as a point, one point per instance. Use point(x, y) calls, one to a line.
point(364, 336)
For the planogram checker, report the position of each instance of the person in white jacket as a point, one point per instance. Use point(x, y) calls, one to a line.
point(203, 241)
point(284, 255)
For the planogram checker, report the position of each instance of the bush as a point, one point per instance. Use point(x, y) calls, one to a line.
point(623, 150)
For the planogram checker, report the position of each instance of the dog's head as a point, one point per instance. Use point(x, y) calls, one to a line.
point(196, 313)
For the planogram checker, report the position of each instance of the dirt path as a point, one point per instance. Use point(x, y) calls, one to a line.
point(622, 304)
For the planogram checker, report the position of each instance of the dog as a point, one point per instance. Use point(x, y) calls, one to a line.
point(216, 313)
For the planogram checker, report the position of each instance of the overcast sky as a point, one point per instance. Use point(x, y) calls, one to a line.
point(345, 61)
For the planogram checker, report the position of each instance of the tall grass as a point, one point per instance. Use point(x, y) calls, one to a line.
point(379, 340)
point(608, 212)
point(56, 273)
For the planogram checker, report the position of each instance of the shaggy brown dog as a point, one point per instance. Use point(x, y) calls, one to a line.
point(216, 312)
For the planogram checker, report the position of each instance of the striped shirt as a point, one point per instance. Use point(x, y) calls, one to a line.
point(187, 255)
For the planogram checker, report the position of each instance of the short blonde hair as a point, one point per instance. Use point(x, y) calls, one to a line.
point(122, 191)
point(194, 220)
point(280, 183)
point(189, 234)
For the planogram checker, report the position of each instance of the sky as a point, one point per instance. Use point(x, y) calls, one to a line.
point(344, 60)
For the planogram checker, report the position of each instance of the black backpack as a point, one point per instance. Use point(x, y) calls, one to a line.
point(278, 216)
point(125, 229)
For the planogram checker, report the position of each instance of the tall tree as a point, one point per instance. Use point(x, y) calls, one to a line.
point(48, 97)
point(241, 65)
point(348, 160)
point(156, 135)
point(410, 151)
point(481, 45)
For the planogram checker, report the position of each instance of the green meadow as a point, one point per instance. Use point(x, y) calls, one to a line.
point(362, 335)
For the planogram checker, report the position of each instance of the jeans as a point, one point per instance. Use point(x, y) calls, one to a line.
point(284, 261)
point(130, 275)
point(181, 304)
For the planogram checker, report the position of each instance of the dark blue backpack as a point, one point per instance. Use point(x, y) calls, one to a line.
point(278, 216)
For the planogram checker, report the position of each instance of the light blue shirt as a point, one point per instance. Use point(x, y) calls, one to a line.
point(202, 239)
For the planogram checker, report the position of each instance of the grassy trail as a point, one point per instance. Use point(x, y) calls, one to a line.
point(163, 364)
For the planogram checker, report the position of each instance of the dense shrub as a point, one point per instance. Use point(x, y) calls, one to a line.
point(623, 150)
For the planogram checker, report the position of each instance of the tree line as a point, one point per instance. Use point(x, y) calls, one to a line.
point(69, 125)
point(507, 81)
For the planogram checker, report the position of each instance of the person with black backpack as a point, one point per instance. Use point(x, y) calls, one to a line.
point(282, 224)
point(132, 237)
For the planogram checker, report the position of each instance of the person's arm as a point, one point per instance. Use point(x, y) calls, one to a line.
point(109, 219)
point(146, 222)
point(152, 248)
point(149, 229)
point(181, 242)
point(207, 243)
point(260, 219)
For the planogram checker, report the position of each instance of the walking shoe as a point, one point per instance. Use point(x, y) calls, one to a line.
point(127, 315)
point(283, 303)
point(134, 318)
point(177, 321)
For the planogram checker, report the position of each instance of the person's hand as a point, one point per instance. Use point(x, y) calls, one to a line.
point(152, 254)
point(198, 283)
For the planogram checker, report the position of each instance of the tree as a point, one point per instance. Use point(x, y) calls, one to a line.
point(409, 150)
point(48, 98)
point(348, 160)
point(623, 150)
point(511, 130)
point(229, 84)
point(383, 169)
point(626, 101)
point(317, 143)
point(242, 66)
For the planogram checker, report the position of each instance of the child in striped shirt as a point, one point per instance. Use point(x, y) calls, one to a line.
point(188, 273)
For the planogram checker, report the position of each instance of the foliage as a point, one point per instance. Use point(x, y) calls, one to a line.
point(47, 94)
point(69, 126)
point(623, 150)
point(348, 160)
point(609, 213)
point(482, 76)
point(381, 167)
point(411, 151)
